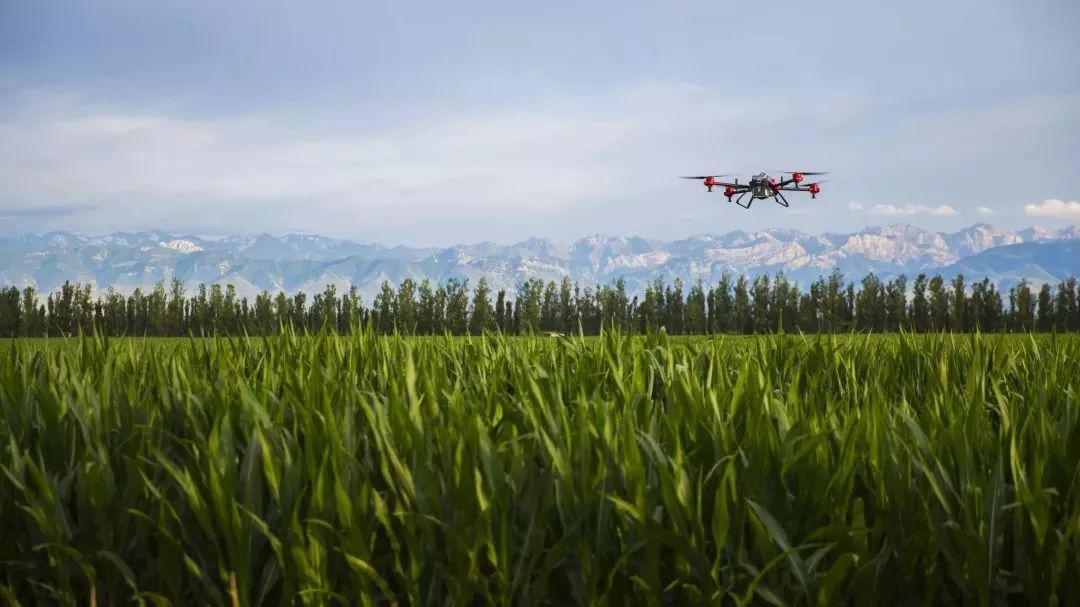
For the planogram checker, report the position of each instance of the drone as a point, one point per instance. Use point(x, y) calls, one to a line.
point(762, 186)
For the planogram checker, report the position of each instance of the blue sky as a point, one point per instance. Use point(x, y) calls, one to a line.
point(438, 123)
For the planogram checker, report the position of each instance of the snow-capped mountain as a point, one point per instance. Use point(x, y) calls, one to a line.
point(309, 262)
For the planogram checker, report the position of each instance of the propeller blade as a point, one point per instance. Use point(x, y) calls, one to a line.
point(803, 172)
point(702, 177)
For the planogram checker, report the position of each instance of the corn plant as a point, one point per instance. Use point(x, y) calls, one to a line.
point(311, 469)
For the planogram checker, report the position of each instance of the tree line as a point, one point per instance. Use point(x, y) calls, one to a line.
point(740, 305)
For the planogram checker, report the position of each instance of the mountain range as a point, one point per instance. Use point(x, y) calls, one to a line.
point(309, 262)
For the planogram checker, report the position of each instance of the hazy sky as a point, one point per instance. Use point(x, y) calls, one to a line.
point(443, 122)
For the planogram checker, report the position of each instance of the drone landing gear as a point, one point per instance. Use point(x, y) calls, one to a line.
point(780, 200)
point(738, 201)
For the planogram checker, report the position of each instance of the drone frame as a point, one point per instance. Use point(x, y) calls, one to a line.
point(784, 185)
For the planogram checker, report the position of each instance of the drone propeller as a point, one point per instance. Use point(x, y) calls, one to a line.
point(703, 177)
point(803, 172)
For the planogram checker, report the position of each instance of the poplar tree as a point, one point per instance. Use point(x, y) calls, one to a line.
point(721, 310)
point(696, 318)
point(482, 318)
point(742, 313)
point(939, 304)
point(920, 307)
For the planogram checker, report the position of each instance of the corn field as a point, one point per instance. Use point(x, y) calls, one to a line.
point(387, 470)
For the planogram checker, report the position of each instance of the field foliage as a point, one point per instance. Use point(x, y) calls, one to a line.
point(315, 469)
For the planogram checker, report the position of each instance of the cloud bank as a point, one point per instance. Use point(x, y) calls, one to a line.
point(559, 167)
point(906, 210)
point(594, 163)
point(1054, 208)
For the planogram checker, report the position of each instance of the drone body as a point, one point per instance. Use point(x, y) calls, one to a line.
point(762, 186)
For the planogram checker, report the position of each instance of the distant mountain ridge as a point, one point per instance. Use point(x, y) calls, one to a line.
point(307, 262)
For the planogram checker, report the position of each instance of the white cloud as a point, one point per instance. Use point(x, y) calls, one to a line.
point(153, 158)
point(912, 209)
point(904, 210)
point(985, 211)
point(1054, 208)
